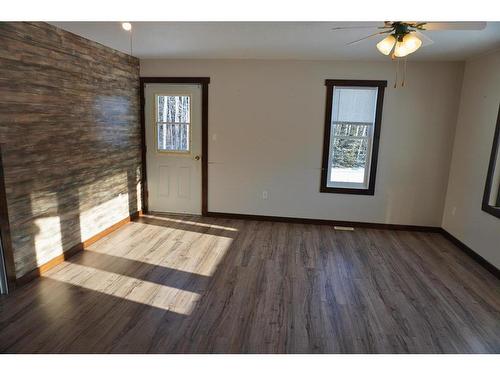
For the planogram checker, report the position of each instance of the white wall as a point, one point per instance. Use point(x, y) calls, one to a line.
point(463, 216)
point(268, 117)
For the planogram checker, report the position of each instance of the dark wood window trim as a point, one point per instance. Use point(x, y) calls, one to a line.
point(203, 81)
point(330, 83)
point(495, 211)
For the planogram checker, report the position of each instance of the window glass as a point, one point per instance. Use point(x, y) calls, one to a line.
point(351, 136)
point(173, 116)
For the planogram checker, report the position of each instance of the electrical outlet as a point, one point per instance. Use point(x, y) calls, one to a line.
point(265, 194)
point(214, 137)
point(453, 211)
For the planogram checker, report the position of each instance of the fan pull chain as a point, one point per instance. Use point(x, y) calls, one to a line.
point(400, 72)
point(404, 72)
point(396, 79)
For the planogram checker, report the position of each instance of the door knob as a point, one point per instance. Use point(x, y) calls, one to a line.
point(197, 157)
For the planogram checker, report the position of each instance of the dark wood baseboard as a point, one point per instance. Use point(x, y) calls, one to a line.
point(466, 249)
point(40, 270)
point(360, 224)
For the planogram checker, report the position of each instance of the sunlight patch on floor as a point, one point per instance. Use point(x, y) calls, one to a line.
point(128, 288)
point(180, 251)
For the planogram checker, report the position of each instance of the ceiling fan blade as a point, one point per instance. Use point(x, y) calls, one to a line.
point(424, 38)
point(363, 25)
point(435, 26)
point(355, 27)
point(366, 37)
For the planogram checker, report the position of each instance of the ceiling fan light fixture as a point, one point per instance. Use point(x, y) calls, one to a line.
point(386, 45)
point(409, 44)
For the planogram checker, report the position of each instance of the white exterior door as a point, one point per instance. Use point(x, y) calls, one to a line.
point(173, 142)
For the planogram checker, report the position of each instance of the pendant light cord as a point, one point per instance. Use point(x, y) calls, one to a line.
point(131, 42)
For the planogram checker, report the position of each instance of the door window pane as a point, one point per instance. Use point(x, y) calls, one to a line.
point(173, 127)
point(173, 137)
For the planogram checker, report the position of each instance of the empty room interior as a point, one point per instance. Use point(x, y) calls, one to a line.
point(250, 187)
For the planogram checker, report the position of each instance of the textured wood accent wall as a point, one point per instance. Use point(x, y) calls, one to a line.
point(70, 134)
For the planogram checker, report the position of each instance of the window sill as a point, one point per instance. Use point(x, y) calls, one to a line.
point(495, 211)
point(341, 190)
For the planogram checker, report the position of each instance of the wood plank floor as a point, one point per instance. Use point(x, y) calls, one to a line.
point(170, 284)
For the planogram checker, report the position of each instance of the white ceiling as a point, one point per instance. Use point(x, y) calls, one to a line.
point(274, 40)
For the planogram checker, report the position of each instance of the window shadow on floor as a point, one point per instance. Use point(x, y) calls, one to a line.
point(74, 319)
point(153, 273)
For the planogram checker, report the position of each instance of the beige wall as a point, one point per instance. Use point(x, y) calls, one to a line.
point(463, 216)
point(268, 118)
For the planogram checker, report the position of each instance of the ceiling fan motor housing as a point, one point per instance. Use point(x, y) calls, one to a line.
point(400, 30)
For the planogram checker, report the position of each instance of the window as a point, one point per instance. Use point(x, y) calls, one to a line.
point(173, 127)
point(352, 130)
point(491, 197)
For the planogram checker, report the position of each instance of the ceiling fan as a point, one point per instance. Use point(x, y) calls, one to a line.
point(407, 37)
